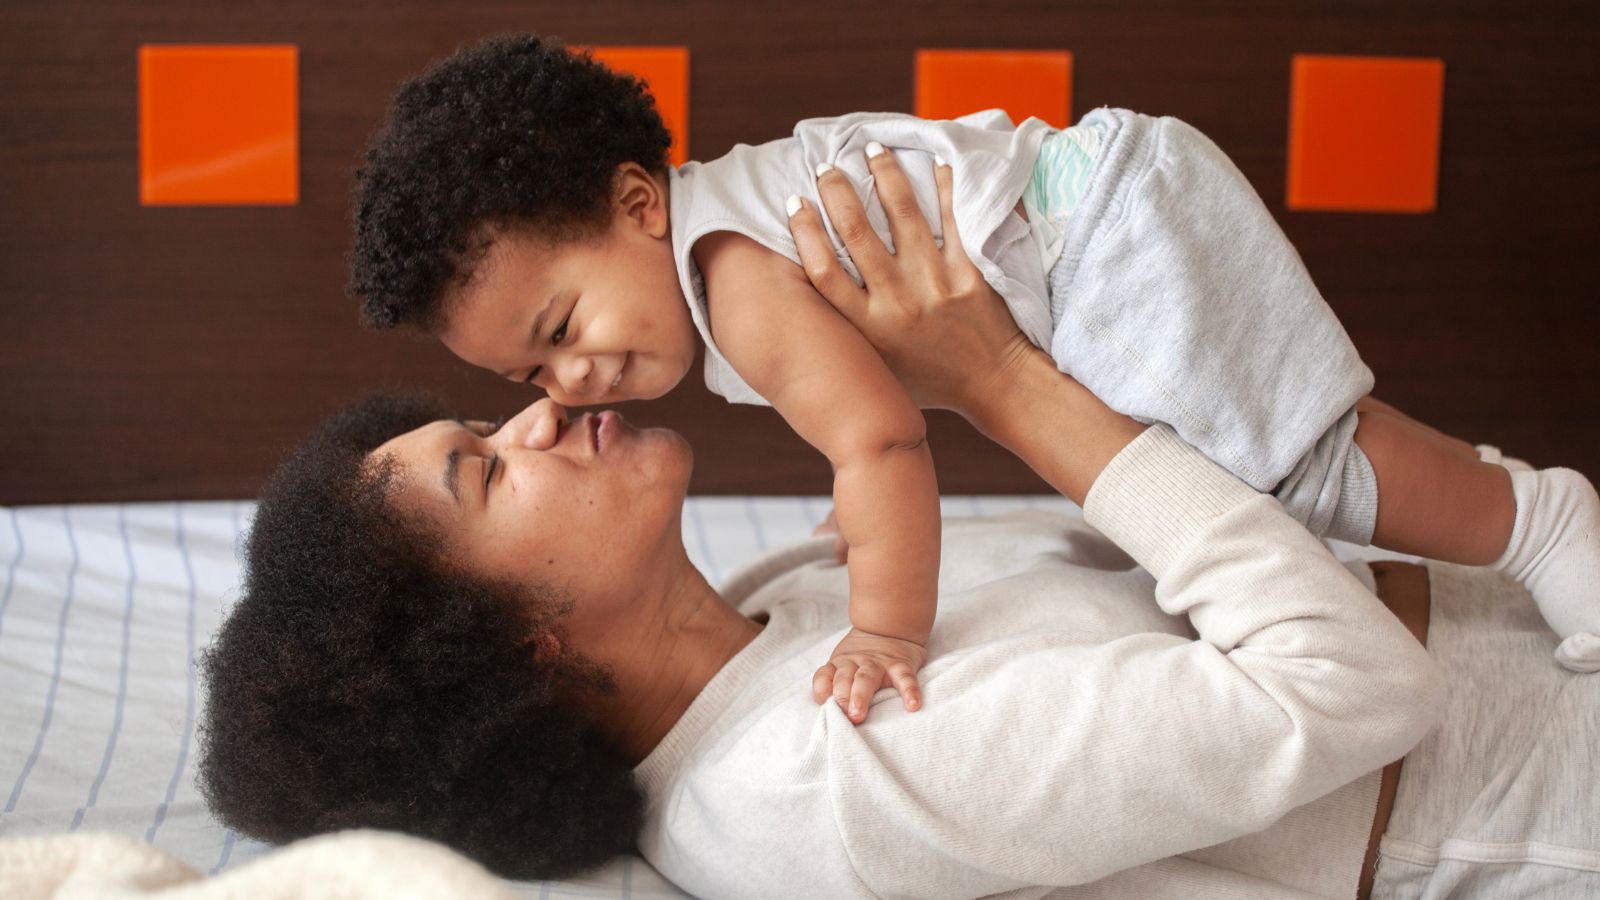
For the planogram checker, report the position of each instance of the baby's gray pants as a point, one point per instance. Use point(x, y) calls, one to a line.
point(1178, 299)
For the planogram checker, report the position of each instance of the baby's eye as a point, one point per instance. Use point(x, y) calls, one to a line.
point(561, 331)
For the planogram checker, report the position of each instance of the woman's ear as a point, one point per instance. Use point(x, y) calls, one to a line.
point(642, 197)
point(546, 648)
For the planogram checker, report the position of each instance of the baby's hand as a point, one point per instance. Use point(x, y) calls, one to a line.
point(865, 662)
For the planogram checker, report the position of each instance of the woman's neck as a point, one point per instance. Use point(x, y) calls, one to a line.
point(663, 662)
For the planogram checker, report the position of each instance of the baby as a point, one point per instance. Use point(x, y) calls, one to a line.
point(518, 205)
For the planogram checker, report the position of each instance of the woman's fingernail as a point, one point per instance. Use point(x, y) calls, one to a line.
point(854, 710)
point(874, 149)
point(823, 169)
point(792, 204)
point(939, 160)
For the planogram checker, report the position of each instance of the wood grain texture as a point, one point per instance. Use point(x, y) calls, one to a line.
point(175, 353)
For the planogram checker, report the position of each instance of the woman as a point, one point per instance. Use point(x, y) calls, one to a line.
point(492, 636)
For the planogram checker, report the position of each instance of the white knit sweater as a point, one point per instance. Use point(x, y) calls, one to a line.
point(1083, 724)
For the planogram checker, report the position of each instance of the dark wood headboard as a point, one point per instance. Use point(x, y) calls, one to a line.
point(169, 352)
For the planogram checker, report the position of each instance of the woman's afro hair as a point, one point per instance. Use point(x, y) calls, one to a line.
point(516, 132)
point(359, 683)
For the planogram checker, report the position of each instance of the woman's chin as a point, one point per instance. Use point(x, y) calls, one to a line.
point(684, 455)
point(669, 453)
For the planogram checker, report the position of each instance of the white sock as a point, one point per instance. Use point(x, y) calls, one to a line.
point(1489, 453)
point(1555, 552)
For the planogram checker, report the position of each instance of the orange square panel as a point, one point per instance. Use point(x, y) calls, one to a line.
point(1024, 83)
point(219, 124)
point(1364, 133)
point(666, 71)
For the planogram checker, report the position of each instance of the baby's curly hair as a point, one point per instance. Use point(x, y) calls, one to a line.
point(361, 683)
point(516, 132)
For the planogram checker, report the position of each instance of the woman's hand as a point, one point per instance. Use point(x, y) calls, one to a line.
point(945, 333)
point(841, 547)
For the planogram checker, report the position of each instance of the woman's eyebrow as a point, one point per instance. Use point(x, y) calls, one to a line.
point(452, 468)
point(481, 427)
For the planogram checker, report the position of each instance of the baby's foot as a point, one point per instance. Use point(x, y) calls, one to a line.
point(1555, 552)
point(1489, 453)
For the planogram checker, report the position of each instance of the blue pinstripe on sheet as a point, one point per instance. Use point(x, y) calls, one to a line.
point(705, 544)
point(238, 533)
point(188, 707)
point(122, 674)
point(755, 522)
point(55, 675)
point(11, 571)
point(227, 851)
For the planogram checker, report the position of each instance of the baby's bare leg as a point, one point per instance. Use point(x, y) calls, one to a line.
point(1434, 499)
point(1540, 527)
point(1485, 452)
point(1370, 403)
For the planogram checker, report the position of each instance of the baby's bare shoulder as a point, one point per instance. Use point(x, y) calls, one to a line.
point(766, 318)
point(729, 254)
point(747, 284)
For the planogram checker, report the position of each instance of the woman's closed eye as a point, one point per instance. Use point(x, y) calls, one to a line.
point(489, 472)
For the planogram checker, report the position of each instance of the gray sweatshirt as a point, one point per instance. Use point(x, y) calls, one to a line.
point(1208, 725)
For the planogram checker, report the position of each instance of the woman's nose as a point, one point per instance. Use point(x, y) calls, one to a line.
point(536, 427)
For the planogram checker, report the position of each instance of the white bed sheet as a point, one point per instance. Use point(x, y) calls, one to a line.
point(103, 609)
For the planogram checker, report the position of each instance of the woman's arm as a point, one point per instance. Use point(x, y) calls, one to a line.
point(1135, 749)
point(1128, 748)
point(946, 333)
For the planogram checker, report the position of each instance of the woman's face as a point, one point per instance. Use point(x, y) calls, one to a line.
point(591, 505)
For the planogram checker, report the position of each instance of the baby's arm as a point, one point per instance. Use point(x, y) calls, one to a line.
point(834, 390)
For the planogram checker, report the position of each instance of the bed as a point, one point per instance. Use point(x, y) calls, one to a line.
point(104, 607)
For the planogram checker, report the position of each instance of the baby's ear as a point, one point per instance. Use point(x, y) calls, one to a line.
point(642, 197)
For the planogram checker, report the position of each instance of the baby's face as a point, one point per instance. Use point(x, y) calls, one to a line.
point(595, 321)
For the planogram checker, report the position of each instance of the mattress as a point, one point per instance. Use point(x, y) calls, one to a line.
point(102, 612)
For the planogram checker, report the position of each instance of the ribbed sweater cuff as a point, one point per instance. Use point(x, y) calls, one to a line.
point(1155, 496)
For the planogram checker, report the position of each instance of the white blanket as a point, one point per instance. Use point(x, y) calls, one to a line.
point(348, 864)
